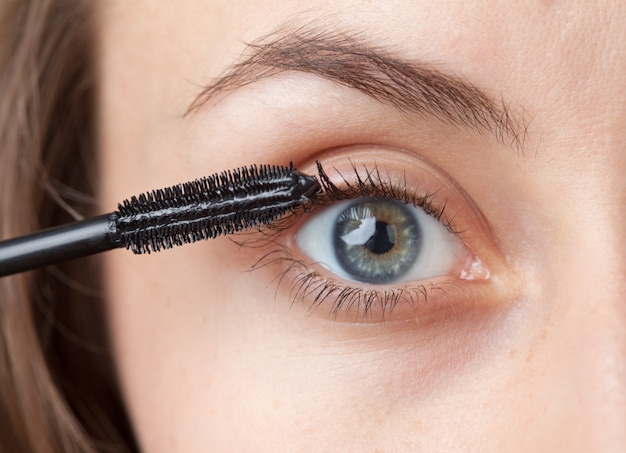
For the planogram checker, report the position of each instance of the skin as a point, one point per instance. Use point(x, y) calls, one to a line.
point(213, 358)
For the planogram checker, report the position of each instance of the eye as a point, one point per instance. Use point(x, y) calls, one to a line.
point(380, 244)
point(380, 241)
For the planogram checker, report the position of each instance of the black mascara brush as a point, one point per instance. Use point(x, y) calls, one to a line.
point(217, 205)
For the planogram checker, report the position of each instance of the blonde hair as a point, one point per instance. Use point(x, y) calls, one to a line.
point(57, 383)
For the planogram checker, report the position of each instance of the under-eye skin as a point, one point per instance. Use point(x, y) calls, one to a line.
point(377, 245)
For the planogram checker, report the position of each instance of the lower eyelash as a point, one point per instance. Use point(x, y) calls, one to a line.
point(311, 285)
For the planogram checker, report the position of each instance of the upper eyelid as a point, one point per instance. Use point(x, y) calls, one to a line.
point(367, 182)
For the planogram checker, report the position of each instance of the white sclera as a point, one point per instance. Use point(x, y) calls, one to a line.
point(439, 253)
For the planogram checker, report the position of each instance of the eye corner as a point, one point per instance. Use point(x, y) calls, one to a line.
point(474, 269)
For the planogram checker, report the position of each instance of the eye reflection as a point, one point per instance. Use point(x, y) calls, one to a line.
point(379, 242)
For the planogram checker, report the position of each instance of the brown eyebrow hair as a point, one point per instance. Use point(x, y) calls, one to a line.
point(409, 86)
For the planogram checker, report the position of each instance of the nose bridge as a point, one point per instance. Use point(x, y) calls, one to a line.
point(602, 362)
point(583, 312)
point(601, 323)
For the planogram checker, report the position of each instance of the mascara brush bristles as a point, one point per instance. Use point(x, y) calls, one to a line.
point(252, 180)
point(206, 208)
point(213, 206)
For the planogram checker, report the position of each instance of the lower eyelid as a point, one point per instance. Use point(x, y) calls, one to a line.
point(323, 296)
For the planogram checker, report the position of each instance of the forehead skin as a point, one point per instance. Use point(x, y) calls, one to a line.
point(192, 372)
point(558, 61)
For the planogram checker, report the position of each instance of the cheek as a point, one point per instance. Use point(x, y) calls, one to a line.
point(208, 353)
point(170, 314)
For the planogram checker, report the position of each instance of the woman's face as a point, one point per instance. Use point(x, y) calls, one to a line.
point(493, 318)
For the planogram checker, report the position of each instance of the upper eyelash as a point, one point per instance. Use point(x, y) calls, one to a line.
point(376, 185)
point(368, 182)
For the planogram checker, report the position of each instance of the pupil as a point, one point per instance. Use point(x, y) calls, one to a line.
point(382, 240)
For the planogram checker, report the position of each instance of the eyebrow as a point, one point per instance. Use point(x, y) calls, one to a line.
point(409, 86)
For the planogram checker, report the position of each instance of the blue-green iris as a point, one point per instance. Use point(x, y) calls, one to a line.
point(377, 241)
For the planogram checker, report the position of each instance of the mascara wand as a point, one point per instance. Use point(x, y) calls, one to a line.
point(206, 208)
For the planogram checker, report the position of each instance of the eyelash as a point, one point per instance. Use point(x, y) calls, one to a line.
point(373, 184)
point(366, 182)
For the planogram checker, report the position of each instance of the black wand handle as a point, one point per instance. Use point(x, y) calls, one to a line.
point(53, 245)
